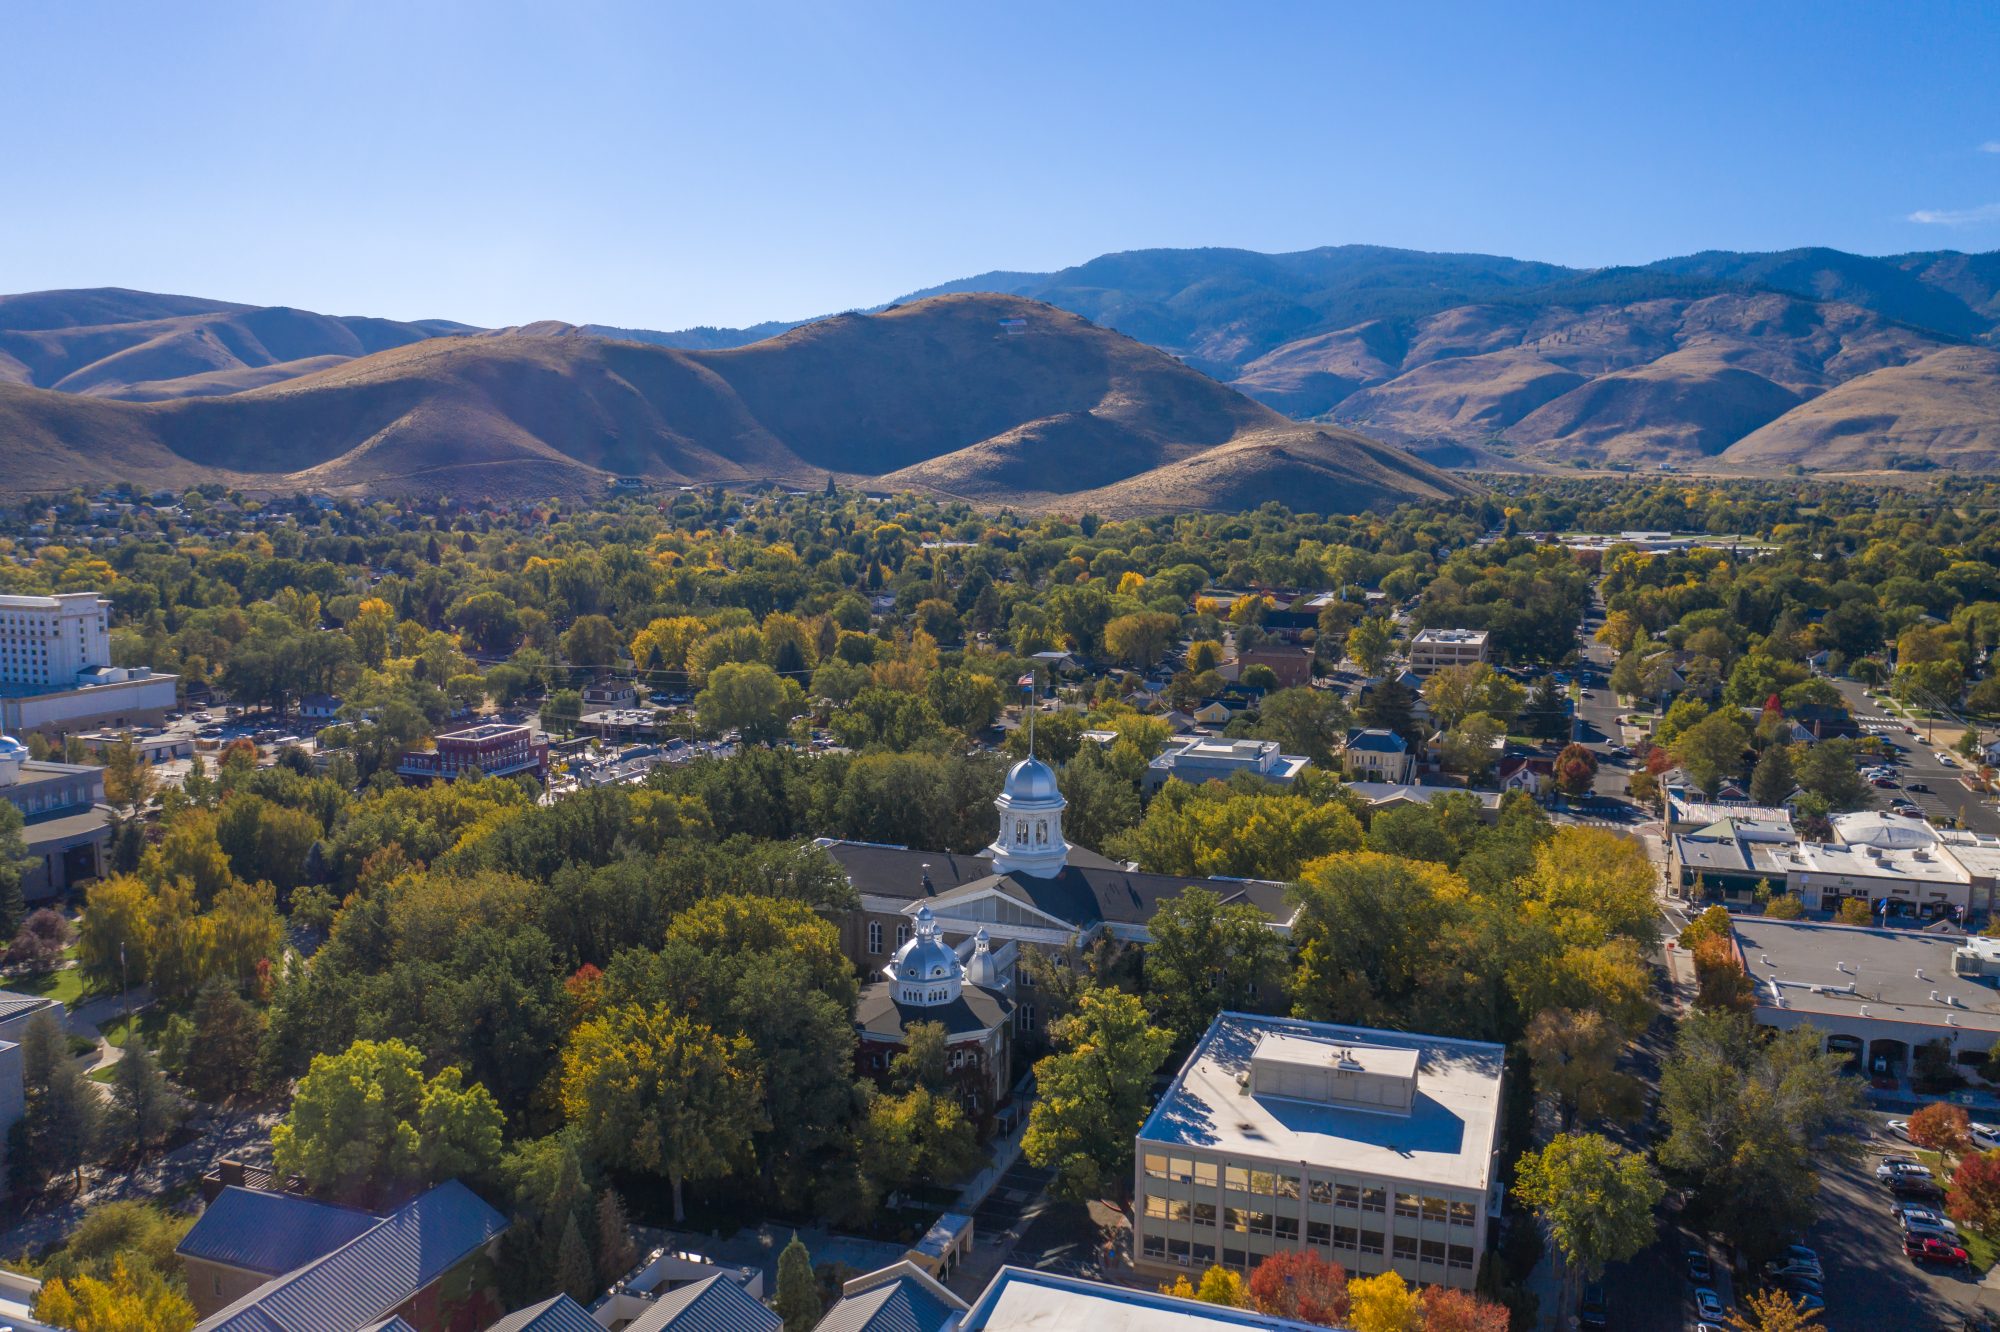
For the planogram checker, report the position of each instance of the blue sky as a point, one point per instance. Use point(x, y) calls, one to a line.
point(662, 165)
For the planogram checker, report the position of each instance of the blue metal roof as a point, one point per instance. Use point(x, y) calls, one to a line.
point(271, 1233)
point(899, 1306)
point(360, 1283)
point(561, 1314)
point(713, 1304)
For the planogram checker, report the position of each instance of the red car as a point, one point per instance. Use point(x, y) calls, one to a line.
point(1927, 1250)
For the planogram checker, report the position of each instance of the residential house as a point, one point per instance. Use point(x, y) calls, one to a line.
point(429, 1263)
point(1292, 666)
point(1376, 755)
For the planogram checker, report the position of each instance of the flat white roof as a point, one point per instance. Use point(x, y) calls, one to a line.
point(1018, 1300)
point(1388, 1060)
point(1447, 1138)
point(1789, 957)
point(1451, 636)
point(1911, 865)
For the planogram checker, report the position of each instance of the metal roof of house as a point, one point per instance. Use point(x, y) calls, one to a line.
point(363, 1281)
point(715, 1304)
point(1376, 740)
point(902, 1305)
point(271, 1233)
point(560, 1314)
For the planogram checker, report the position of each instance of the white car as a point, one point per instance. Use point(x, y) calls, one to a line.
point(1708, 1306)
point(1986, 1137)
point(1947, 759)
point(1899, 1127)
point(1895, 1170)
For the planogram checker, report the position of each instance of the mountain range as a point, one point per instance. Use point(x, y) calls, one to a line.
point(992, 398)
point(1718, 361)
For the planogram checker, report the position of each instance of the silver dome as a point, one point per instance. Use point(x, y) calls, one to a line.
point(1031, 779)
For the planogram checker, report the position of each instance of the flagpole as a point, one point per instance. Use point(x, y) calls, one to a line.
point(1031, 713)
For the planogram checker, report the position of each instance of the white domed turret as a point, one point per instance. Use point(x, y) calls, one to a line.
point(925, 971)
point(979, 968)
point(1031, 808)
point(12, 755)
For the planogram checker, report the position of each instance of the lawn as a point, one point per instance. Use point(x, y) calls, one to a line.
point(65, 985)
point(148, 1022)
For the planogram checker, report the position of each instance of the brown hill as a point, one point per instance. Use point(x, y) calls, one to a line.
point(113, 343)
point(989, 397)
point(1941, 410)
point(1670, 380)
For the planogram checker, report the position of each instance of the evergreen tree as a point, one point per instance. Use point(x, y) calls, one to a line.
point(574, 1274)
point(64, 1115)
point(615, 1251)
point(144, 1110)
point(1772, 779)
point(227, 1033)
point(798, 1294)
point(14, 864)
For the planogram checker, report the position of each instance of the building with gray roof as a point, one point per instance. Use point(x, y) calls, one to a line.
point(248, 1236)
point(900, 1298)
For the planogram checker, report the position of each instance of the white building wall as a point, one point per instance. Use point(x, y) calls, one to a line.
point(46, 641)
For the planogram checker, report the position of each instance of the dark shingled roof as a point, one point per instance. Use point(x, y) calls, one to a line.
point(976, 1009)
point(898, 871)
point(270, 1233)
point(1087, 897)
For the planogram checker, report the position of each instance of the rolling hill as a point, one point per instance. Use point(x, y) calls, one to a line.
point(989, 397)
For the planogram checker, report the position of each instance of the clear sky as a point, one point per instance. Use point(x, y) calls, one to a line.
point(660, 165)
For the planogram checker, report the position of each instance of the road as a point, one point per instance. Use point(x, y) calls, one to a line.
point(1918, 763)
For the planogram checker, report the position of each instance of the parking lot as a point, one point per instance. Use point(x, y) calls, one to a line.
point(1870, 1285)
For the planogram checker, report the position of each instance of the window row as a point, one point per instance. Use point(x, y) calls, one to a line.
point(1456, 1257)
point(1276, 1184)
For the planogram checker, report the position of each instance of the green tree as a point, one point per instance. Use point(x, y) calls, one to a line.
point(1829, 770)
point(366, 1126)
point(1595, 1198)
point(561, 711)
point(128, 778)
point(1310, 722)
point(797, 1300)
point(1093, 1093)
point(14, 865)
point(1712, 749)
point(227, 1034)
point(1206, 957)
point(575, 1275)
point(1368, 643)
point(61, 1123)
point(1139, 639)
point(615, 1251)
point(1772, 780)
point(751, 699)
point(658, 1092)
point(1574, 1054)
point(1747, 1117)
point(144, 1111)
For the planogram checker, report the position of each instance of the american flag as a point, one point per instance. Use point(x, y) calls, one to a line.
point(1027, 681)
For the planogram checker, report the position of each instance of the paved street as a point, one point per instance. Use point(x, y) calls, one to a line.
point(1918, 763)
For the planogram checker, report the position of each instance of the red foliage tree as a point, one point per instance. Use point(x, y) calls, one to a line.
point(1941, 1127)
point(1447, 1310)
point(1575, 769)
point(1975, 1191)
point(1300, 1285)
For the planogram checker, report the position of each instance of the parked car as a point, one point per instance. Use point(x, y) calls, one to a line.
point(1901, 1128)
point(1794, 1270)
point(1918, 787)
point(1927, 1249)
point(1592, 1312)
point(1921, 1189)
point(1700, 1271)
point(1708, 1305)
point(1986, 1137)
point(1915, 1216)
point(1895, 1170)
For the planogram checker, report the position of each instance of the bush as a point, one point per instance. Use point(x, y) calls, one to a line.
point(40, 944)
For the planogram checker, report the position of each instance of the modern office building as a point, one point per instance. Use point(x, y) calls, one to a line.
point(1199, 758)
point(1371, 1148)
point(1435, 649)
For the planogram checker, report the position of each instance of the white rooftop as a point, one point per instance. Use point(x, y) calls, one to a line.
point(1893, 973)
point(1451, 636)
point(1446, 1137)
point(1921, 864)
point(1870, 827)
point(1018, 1300)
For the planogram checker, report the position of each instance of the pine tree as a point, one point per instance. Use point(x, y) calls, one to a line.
point(798, 1294)
point(574, 1273)
point(143, 1107)
point(13, 907)
point(615, 1251)
point(64, 1115)
point(227, 1035)
point(1772, 779)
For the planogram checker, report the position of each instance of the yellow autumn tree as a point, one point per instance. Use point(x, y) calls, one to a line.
point(124, 1302)
point(1384, 1303)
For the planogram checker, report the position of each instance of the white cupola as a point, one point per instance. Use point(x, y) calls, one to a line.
point(1031, 836)
point(12, 755)
point(925, 971)
point(980, 968)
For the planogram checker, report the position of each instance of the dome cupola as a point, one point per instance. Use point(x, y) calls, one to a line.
point(12, 755)
point(1031, 808)
point(980, 968)
point(925, 971)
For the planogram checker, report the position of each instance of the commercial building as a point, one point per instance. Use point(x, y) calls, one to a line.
point(1290, 665)
point(1375, 1149)
point(1717, 861)
point(1199, 758)
point(56, 674)
point(496, 749)
point(1876, 995)
point(1435, 649)
point(67, 825)
point(1916, 881)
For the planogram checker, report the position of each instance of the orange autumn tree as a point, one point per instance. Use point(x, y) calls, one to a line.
point(1941, 1128)
point(1447, 1310)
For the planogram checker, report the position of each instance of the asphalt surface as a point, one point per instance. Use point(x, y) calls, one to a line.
point(1917, 762)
